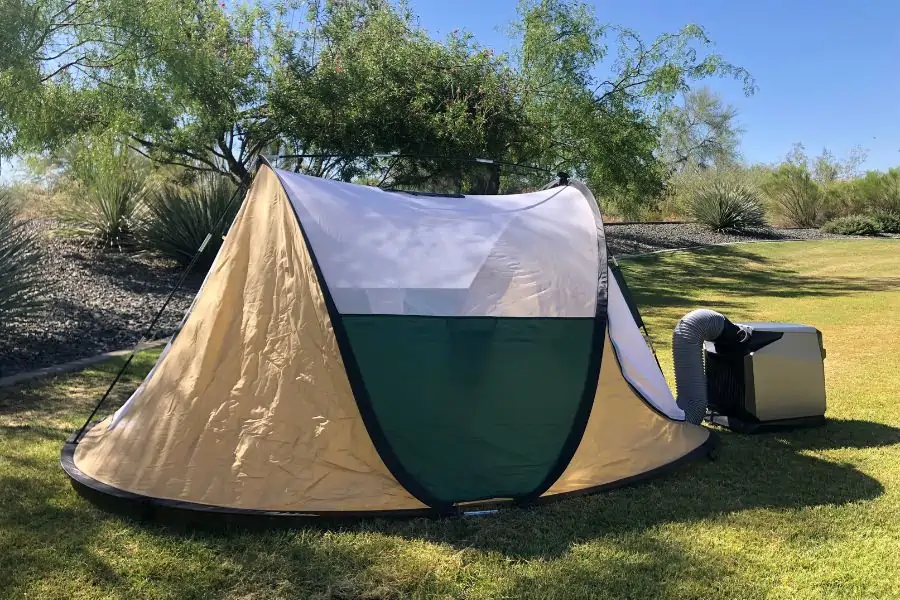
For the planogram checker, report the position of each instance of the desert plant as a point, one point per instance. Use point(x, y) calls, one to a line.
point(728, 207)
point(109, 208)
point(887, 200)
point(796, 196)
point(21, 285)
point(852, 225)
point(888, 222)
point(683, 186)
point(179, 218)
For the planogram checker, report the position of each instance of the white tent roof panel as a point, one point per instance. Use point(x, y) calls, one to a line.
point(386, 252)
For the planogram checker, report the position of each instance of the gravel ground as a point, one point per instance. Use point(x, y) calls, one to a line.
point(637, 238)
point(97, 301)
point(101, 301)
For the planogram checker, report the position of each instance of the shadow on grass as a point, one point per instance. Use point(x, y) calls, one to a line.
point(52, 534)
point(733, 272)
point(624, 242)
point(837, 434)
point(752, 472)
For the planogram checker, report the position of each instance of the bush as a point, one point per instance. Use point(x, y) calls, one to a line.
point(852, 225)
point(110, 208)
point(20, 260)
point(798, 199)
point(725, 207)
point(888, 222)
point(887, 199)
point(178, 218)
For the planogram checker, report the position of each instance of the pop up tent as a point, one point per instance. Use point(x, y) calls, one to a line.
point(357, 351)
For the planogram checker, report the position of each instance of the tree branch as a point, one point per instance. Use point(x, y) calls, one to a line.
point(175, 163)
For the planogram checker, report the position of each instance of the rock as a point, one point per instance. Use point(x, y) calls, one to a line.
point(97, 301)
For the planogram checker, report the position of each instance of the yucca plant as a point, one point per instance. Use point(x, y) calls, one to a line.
point(178, 218)
point(110, 208)
point(21, 284)
point(728, 207)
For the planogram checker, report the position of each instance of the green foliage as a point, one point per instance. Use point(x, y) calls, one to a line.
point(796, 197)
point(21, 284)
point(888, 222)
point(604, 128)
point(852, 225)
point(725, 207)
point(109, 206)
point(179, 218)
point(700, 133)
point(684, 185)
point(875, 193)
point(886, 200)
point(376, 83)
point(209, 87)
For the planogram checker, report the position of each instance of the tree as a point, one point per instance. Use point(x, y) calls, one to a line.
point(196, 84)
point(826, 168)
point(796, 195)
point(598, 115)
point(700, 133)
point(178, 81)
point(371, 81)
point(206, 88)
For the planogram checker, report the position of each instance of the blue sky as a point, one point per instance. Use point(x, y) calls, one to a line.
point(828, 72)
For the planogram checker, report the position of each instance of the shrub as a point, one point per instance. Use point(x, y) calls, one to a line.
point(178, 218)
point(852, 225)
point(725, 207)
point(109, 208)
point(20, 259)
point(888, 222)
point(798, 199)
point(887, 199)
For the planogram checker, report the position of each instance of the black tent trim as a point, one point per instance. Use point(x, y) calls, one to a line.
point(178, 513)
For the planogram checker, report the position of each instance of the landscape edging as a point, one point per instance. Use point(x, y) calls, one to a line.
point(75, 365)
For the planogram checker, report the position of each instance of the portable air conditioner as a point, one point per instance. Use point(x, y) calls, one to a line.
point(775, 380)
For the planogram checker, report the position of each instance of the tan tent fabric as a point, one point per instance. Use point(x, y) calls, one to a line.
point(624, 437)
point(251, 406)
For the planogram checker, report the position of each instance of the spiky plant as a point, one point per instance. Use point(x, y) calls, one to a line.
point(110, 208)
point(178, 218)
point(21, 284)
point(728, 207)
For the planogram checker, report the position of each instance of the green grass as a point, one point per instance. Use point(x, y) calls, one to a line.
point(810, 514)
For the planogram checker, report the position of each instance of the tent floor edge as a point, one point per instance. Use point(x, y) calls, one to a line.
point(190, 516)
point(187, 516)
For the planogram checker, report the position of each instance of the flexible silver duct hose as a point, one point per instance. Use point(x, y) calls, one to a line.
point(692, 330)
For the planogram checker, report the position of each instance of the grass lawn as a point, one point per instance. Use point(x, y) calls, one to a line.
point(811, 514)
